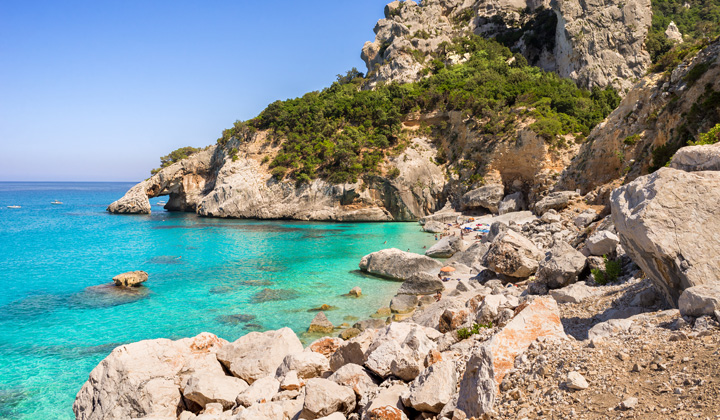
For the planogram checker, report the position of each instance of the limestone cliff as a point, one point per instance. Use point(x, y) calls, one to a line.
point(662, 113)
point(214, 183)
point(596, 43)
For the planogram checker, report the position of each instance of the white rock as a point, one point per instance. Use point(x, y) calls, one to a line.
point(355, 377)
point(513, 255)
point(141, 379)
point(562, 266)
point(396, 264)
point(487, 196)
point(204, 388)
point(277, 410)
point(291, 382)
point(576, 381)
point(446, 247)
point(575, 293)
point(700, 300)
point(602, 243)
point(478, 388)
point(610, 328)
point(261, 391)
point(434, 388)
point(305, 364)
point(386, 404)
point(668, 223)
point(256, 355)
point(512, 203)
point(324, 397)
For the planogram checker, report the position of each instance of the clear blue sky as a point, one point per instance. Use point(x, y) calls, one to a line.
point(99, 90)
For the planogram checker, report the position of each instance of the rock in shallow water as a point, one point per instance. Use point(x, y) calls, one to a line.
point(396, 264)
point(130, 279)
point(268, 295)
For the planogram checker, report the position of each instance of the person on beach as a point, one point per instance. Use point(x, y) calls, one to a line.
point(438, 296)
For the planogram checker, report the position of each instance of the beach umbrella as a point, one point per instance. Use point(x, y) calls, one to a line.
point(447, 269)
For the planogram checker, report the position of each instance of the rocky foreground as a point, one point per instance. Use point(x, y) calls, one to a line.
point(558, 312)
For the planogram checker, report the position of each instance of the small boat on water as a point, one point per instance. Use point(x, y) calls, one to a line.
point(160, 203)
point(14, 207)
point(56, 202)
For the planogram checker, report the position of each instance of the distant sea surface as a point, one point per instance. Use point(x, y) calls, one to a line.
point(227, 277)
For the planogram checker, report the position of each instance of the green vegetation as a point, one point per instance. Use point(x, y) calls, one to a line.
point(610, 274)
point(175, 156)
point(464, 333)
point(698, 23)
point(696, 72)
point(711, 137)
point(631, 140)
point(344, 132)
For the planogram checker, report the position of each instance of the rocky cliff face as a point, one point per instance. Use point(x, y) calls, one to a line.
point(658, 116)
point(594, 43)
point(213, 183)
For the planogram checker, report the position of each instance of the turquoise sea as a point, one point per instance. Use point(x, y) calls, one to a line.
point(223, 276)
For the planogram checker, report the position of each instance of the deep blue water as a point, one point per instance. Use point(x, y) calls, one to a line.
point(55, 327)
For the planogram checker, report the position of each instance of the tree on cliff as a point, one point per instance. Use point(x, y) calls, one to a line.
point(175, 156)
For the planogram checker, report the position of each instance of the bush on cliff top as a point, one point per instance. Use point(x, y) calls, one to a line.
point(344, 132)
point(175, 156)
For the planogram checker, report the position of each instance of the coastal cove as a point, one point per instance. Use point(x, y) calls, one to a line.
point(54, 330)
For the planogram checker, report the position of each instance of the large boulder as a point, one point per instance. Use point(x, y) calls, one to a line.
point(511, 254)
point(555, 201)
point(399, 347)
point(697, 158)
point(561, 266)
point(421, 284)
point(144, 378)
point(602, 243)
point(487, 197)
point(403, 304)
point(261, 391)
point(540, 318)
point(478, 388)
point(700, 300)
point(353, 350)
point(473, 256)
point(276, 410)
point(387, 404)
point(257, 355)
point(204, 388)
point(356, 377)
point(434, 388)
point(433, 226)
point(130, 279)
point(512, 203)
point(446, 247)
point(307, 364)
point(668, 223)
point(324, 397)
point(396, 264)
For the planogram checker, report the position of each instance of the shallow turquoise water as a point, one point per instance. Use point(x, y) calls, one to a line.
point(53, 330)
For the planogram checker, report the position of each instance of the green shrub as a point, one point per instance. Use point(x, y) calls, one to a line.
point(464, 333)
point(547, 128)
point(711, 137)
point(612, 271)
point(696, 72)
point(631, 140)
point(393, 172)
point(175, 156)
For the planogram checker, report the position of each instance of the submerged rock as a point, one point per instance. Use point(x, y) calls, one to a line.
point(130, 279)
point(235, 319)
point(269, 295)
